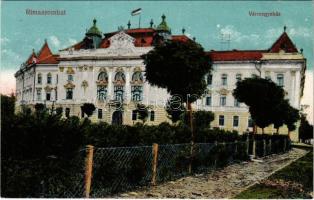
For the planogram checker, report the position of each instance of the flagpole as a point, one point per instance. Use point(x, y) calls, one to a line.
point(139, 21)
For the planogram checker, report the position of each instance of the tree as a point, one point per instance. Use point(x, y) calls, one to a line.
point(39, 107)
point(262, 96)
point(175, 109)
point(142, 111)
point(88, 109)
point(291, 116)
point(279, 114)
point(305, 129)
point(180, 67)
point(202, 119)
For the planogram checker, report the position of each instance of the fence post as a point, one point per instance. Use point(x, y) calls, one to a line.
point(247, 146)
point(88, 170)
point(254, 148)
point(154, 163)
point(215, 163)
point(270, 144)
point(236, 148)
point(264, 148)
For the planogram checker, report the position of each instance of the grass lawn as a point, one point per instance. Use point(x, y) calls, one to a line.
point(293, 181)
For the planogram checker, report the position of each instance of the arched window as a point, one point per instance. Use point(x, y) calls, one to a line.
point(39, 78)
point(137, 77)
point(49, 78)
point(102, 76)
point(102, 89)
point(119, 77)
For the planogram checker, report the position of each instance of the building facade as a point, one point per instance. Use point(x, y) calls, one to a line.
point(107, 70)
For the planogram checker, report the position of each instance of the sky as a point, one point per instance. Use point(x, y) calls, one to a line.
point(204, 20)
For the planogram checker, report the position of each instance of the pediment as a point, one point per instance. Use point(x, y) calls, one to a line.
point(121, 40)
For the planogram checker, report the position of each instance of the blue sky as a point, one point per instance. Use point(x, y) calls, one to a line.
point(204, 20)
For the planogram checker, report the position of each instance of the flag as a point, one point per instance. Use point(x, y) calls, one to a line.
point(136, 12)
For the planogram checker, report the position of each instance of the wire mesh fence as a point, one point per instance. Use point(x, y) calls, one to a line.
point(120, 169)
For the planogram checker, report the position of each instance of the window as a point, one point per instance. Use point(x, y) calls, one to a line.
point(152, 115)
point(280, 80)
point(103, 76)
point(235, 121)
point(49, 78)
point(118, 92)
point(238, 77)
point(39, 78)
point(119, 77)
point(38, 93)
point(209, 79)
point(221, 120)
point(70, 77)
point(99, 113)
point(137, 91)
point(236, 103)
point(67, 112)
point(223, 100)
point(208, 101)
point(134, 115)
point(101, 93)
point(48, 96)
point(250, 122)
point(137, 77)
point(224, 79)
point(69, 93)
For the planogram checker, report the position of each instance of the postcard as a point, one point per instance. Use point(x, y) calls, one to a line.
point(156, 99)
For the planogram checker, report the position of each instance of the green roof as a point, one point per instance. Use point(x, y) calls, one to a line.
point(163, 25)
point(94, 29)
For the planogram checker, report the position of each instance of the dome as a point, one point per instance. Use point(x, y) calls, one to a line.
point(163, 25)
point(94, 30)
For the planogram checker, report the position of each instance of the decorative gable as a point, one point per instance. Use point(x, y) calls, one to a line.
point(283, 43)
point(121, 43)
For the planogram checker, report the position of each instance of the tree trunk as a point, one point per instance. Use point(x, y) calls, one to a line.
point(289, 135)
point(189, 108)
point(277, 131)
point(191, 120)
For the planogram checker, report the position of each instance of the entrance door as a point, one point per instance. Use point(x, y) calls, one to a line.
point(117, 117)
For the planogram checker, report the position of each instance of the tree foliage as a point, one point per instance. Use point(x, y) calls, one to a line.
point(262, 96)
point(88, 108)
point(179, 67)
point(175, 109)
point(142, 111)
point(305, 129)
